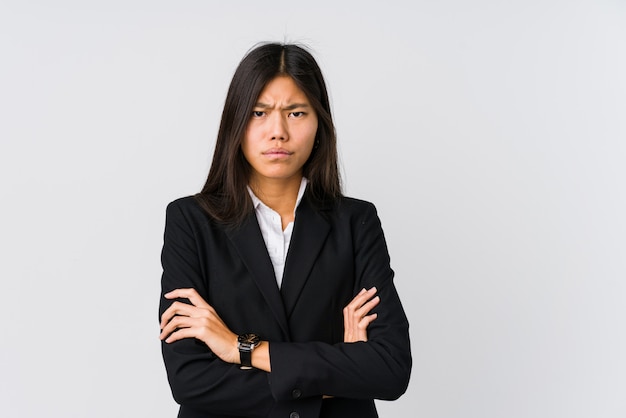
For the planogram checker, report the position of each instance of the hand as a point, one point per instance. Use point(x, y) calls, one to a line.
point(198, 320)
point(356, 318)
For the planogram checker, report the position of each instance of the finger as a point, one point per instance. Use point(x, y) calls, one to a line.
point(190, 293)
point(183, 309)
point(180, 293)
point(199, 324)
point(367, 320)
point(176, 308)
point(362, 297)
point(364, 309)
point(176, 323)
point(348, 318)
point(354, 303)
point(355, 311)
point(359, 307)
point(182, 333)
point(368, 306)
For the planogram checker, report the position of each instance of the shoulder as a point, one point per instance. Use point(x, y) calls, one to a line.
point(350, 211)
point(186, 202)
point(353, 203)
point(352, 206)
point(188, 210)
point(183, 205)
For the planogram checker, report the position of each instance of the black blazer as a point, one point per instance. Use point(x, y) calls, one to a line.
point(335, 251)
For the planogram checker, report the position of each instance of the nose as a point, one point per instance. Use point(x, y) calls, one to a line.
point(279, 127)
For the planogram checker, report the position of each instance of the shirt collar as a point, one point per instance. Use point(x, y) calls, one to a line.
point(256, 201)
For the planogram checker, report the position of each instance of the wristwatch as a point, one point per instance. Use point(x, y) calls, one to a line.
point(246, 343)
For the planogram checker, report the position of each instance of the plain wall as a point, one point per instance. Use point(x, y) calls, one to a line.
point(491, 136)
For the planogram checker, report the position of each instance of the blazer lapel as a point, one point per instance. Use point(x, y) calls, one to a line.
point(252, 250)
point(310, 232)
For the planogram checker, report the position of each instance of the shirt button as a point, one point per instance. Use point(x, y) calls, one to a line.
point(296, 393)
point(294, 415)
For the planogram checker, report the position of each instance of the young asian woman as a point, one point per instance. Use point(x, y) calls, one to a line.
point(277, 292)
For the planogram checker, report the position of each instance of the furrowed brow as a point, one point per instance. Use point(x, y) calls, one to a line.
point(296, 106)
point(292, 106)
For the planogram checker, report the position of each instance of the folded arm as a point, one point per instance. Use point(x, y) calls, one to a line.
point(203, 362)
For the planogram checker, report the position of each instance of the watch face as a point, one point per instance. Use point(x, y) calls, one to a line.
point(251, 339)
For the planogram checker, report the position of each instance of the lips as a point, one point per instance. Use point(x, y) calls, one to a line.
point(277, 152)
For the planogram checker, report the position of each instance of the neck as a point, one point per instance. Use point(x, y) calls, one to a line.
point(278, 194)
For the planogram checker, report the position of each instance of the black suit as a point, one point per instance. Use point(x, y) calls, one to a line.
point(335, 251)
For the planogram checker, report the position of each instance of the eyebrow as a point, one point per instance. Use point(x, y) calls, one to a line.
point(288, 107)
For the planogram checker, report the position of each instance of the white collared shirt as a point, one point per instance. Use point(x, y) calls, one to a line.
point(271, 225)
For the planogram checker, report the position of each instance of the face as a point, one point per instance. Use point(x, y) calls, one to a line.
point(281, 132)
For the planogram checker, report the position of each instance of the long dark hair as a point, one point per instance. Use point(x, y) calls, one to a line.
point(224, 196)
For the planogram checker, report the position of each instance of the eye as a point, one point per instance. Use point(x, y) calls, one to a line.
point(258, 114)
point(297, 114)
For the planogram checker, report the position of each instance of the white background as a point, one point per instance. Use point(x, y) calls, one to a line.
point(491, 135)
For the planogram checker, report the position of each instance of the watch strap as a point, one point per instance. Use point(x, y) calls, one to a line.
point(245, 357)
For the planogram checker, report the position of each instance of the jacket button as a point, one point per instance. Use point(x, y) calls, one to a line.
point(294, 415)
point(296, 393)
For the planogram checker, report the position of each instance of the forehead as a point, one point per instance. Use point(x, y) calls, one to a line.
point(282, 89)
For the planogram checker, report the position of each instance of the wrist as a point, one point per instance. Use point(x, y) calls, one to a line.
point(261, 357)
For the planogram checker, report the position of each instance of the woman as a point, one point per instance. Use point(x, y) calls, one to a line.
point(277, 294)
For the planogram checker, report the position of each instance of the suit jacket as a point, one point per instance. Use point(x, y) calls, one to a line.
point(335, 250)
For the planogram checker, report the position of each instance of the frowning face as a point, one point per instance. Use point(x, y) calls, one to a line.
point(281, 132)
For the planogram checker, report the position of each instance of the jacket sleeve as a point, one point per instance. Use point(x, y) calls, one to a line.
point(377, 369)
point(199, 379)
